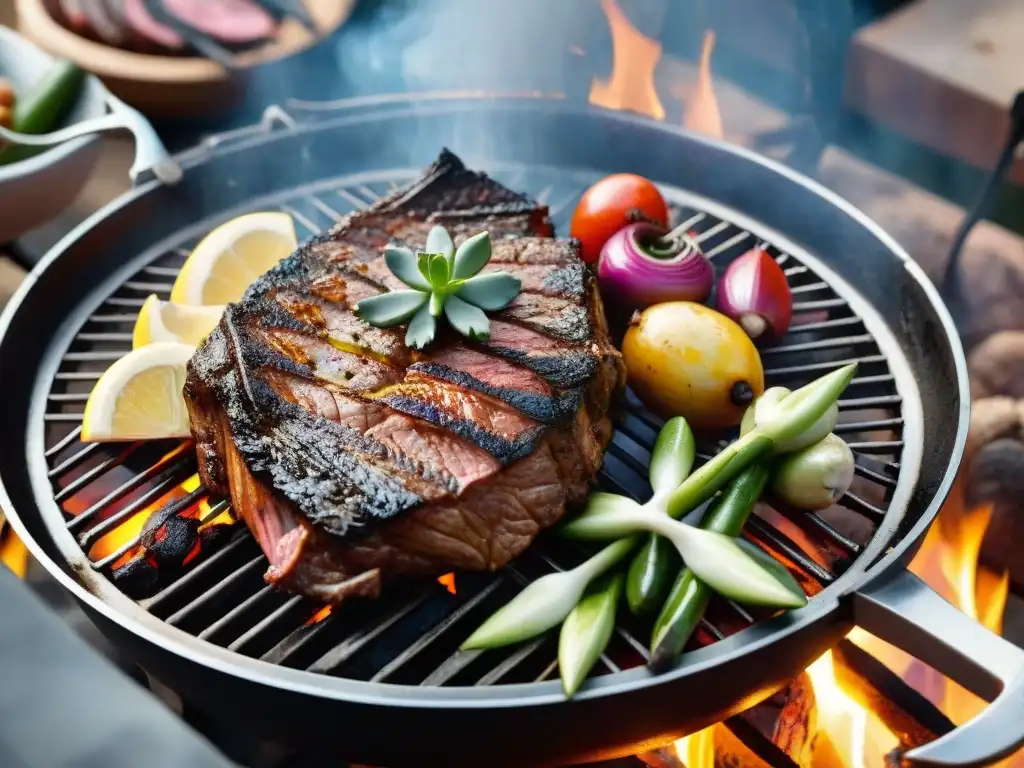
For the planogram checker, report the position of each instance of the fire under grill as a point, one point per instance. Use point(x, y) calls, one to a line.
point(144, 522)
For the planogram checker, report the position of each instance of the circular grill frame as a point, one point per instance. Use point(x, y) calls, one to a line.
point(750, 644)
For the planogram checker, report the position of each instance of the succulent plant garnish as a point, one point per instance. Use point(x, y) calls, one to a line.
point(444, 280)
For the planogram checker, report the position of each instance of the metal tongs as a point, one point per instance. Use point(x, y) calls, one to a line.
point(150, 154)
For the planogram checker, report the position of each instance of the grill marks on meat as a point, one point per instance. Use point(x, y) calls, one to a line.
point(353, 458)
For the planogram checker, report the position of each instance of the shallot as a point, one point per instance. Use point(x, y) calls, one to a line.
point(754, 292)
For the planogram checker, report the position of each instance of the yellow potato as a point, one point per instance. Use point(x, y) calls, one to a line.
point(685, 359)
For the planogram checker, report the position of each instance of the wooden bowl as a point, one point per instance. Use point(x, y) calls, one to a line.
point(174, 86)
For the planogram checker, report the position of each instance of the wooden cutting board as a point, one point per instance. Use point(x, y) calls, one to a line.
point(943, 73)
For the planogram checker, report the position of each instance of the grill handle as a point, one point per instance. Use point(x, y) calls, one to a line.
point(907, 613)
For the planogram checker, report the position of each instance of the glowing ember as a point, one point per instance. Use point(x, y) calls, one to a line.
point(448, 580)
point(319, 616)
point(634, 59)
point(702, 114)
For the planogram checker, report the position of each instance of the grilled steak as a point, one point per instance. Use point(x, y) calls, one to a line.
point(353, 458)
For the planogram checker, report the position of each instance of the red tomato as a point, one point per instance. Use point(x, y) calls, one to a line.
point(611, 204)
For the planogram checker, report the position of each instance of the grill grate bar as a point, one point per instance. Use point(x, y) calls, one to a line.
point(117, 301)
point(434, 633)
point(345, 649)
point(826, 325)
point(707, 234)
point(732, 242)
point(877, 447)
point(813, 519)
point(763, 532)
point(809, 288)
point(121, 318)
point(92, 357)
point(236, 544)
point(158, 473)
point(868, 426)
point(450, 667)
point(83, 480)
point(818, 368)
point(68, 397)
point(73, 461)
point(510, 662)
point(171, 272)
point(313, 228)
point(858, 505)
point(236, 612)
point(858, 403)
point(276, 616)
point(63, 443)
point(251, 567)
point(808, 346)
point(77, 375)
point(324, 208)
point(164, 483)
point(877, 477)
point(72, 418)
point(102, 337)
point(810, 306)
point(144, 287)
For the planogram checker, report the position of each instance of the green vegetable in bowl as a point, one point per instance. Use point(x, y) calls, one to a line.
point(817, 476)
point(41, 109)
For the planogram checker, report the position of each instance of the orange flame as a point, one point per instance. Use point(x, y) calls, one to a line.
point(634, 59)
point(948, 562)
point(702, 114)
point(698, 749)
point(856, 737)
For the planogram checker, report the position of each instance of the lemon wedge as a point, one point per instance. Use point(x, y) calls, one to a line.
point(166, 321)
point(139, 397)
point(232, 256)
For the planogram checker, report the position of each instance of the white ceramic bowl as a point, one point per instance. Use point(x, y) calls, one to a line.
point(37, 189)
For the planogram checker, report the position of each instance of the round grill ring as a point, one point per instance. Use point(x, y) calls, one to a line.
point(895, 375)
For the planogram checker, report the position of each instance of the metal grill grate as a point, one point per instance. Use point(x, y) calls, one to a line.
point(411, 635)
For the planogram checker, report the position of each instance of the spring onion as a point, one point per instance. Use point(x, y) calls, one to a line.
point(586, 632)
point(652, 568)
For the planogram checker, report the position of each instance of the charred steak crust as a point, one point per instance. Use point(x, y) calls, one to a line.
point(352, 457)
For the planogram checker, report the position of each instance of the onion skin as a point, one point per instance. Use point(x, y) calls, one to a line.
point(817, 476)
point(685, 359)
point(754, 292)
point(767, 403)
point(632, 278)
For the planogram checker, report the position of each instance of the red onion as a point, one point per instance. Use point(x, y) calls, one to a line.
point(634, 271)
point(754, 292)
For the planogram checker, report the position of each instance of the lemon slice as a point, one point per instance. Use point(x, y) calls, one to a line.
point(232, 256)
point(139, 397)
point(166, 321)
